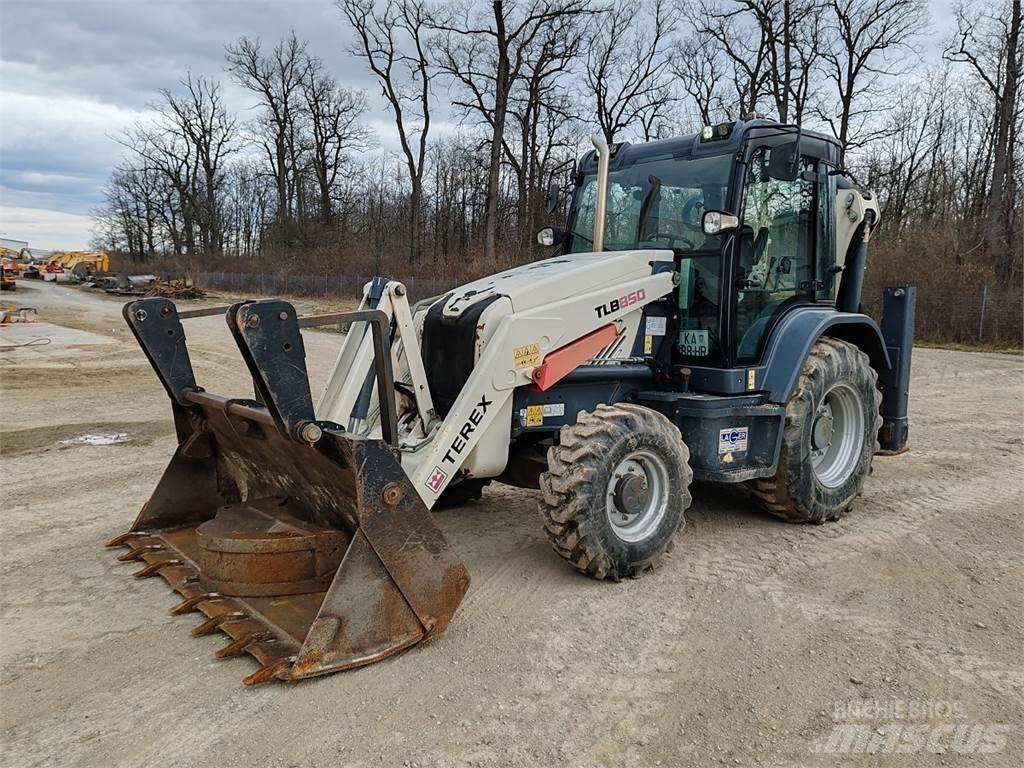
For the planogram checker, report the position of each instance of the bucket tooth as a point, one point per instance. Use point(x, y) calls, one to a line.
point(238, 647)
point(154, 568)
point(268, 672)
point(136, 553)
point(118, 541)
point(213, 623)
point(189, 604)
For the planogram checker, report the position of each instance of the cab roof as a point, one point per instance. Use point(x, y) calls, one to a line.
point(812, 144)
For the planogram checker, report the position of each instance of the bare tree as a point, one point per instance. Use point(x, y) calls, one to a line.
point(940, 148)
point(334, 115)
point(743, 46)
point(990, 42)
point(393, 41)
point(772, 47)
point(487, 57)
point(198, 118)
point(128, 219)
point(627, 73)
point(699, 66)
point(158, 147)
point(545, 118)
point(865, 40)
point(276, 78)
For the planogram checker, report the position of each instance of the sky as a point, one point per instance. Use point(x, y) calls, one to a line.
point(76, 73)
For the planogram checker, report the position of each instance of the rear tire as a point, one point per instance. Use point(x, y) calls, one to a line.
point(615, 491)
point(830, 437)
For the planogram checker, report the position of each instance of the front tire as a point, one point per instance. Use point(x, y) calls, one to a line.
point(830, 437)
point(615, 491)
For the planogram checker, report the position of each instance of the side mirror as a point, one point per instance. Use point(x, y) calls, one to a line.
point(552, 197)
point(784, 161)
point(717, 222)
point(550, 236)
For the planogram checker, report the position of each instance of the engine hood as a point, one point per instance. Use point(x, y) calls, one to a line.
point(543, 282)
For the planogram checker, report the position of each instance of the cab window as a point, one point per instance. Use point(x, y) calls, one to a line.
point(777, 257)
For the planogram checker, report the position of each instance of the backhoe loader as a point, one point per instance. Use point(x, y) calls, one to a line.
point(700, 319)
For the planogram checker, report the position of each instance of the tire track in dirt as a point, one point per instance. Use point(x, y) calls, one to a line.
point(43, 736)
point(776, 577)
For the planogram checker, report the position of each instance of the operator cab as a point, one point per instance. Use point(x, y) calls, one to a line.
point(746, 211)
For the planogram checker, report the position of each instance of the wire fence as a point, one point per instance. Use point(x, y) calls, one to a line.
point(972, 316)
point(978, 316)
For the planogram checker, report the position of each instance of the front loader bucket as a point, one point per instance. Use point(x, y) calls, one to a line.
point(307, 546)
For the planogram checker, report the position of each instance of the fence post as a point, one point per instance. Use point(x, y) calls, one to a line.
point(984, 302)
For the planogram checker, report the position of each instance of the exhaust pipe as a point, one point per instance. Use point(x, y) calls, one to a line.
point(603, 157)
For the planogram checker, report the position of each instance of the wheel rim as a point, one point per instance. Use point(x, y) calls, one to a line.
point(637, 496)
point(837, 436)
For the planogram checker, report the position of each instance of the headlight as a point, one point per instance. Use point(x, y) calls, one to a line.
point(716, 222)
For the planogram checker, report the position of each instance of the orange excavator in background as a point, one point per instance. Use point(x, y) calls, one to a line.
point(15, 262)
point(7, 272)
point(66, 261)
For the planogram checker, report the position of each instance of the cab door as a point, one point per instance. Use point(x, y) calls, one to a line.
point(778, 263)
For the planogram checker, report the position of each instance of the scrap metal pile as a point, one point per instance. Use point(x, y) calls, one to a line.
point(175, 289)
point(147, 285)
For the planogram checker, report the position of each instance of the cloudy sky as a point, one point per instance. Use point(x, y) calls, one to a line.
point(74, 73)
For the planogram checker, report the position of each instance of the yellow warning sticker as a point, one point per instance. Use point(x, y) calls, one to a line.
point(648, 344)
point(535, 415)
point(526, 356)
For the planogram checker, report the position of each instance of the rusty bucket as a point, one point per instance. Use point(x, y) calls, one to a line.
point(307, 546)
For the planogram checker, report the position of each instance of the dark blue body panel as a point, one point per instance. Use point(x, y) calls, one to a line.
point(788, 346)
point(797, 332)
point(718, 400)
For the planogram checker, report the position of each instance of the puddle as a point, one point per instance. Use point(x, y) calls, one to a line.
point(102, 438)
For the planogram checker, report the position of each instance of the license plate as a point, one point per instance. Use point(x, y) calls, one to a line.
point(694, 343)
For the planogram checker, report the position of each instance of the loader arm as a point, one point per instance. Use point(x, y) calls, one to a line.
point(472, 441)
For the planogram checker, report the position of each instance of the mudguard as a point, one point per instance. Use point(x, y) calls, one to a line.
point(797, 331)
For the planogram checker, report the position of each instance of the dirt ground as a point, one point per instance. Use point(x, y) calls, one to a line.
point(892, 637)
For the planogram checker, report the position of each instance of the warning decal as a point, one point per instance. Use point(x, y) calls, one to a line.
point(533, 415)
point(526, 356)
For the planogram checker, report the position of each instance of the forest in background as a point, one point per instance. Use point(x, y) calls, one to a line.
point(300, 184)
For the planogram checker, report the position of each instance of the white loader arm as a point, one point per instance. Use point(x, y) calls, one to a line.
point(349, 384)
point(536, 346)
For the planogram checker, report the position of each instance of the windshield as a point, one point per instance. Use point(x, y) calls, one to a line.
point(654, 203)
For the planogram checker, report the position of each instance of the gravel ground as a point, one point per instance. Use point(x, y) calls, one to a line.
point(892, 637)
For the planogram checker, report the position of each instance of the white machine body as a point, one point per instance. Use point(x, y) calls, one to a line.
point(533, 315)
